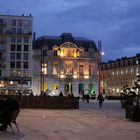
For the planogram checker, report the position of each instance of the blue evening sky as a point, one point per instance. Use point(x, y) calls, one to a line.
point(115, 22)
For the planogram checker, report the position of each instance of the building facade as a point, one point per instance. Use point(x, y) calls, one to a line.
point(65, 63)
point(118, 73)
point(15, 52)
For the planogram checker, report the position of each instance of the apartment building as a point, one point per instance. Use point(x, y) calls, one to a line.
point(65, 63)
point(15, 52)
point(120, 72)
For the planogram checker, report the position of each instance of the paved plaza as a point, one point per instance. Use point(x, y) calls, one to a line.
point(87, 123)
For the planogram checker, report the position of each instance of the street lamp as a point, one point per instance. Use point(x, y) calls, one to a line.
point(42, 65)
point(100, 53)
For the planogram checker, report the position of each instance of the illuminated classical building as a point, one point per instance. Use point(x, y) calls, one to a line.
point(69, 64)
point(15, 52)
point(118, 73)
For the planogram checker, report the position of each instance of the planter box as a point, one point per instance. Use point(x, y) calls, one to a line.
point(132, 113)
point(136, 113)
point(128, 111)
point(47, 102)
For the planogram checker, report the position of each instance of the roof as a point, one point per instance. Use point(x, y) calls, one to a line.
point(50, 41)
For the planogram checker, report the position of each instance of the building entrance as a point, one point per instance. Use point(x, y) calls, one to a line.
point(68, 89)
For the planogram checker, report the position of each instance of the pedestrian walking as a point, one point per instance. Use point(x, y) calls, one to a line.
point(101, 99)
point(87, 97)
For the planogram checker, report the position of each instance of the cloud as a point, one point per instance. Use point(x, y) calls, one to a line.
point(116, 23)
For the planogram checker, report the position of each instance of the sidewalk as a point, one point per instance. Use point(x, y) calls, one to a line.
point(87, 123)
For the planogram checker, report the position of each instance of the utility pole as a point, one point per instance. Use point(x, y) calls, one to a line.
point(99, 66)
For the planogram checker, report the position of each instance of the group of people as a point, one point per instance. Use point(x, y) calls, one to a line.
point(7, 107)
point(100, 99)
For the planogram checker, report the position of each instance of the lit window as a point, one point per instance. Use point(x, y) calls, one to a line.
point(18, 73)
point(137, 70)
point(12, 73)
point(131, 70)
point(55, 69)
point(117, 90)
point(44, 69)
point(25, 73)
point(126, 71)
point(121, 72)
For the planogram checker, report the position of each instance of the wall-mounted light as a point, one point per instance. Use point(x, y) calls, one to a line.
point(62, 76)
point(86, 76)
point(11, 82)
point(75, 76)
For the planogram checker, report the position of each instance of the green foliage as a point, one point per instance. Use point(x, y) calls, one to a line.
point(133, 93)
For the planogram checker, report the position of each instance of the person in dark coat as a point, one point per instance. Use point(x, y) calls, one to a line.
point(87, 97)
point(101, 99)
point(7, 107)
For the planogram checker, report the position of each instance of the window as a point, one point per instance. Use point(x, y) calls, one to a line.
point(19, 23)
point(13, 47)
point(13, 30)
point(91, 70)
point(81, 70)
point(12, 64)
point(25, 73)
point(121, 72)
point(19, 30)
point(55, 69)
point(68, 68)
point(18, 73)
point(19, 39)
point(12, 56)
point(26, 40)
point(13, 39)
point(25, 65)
point(44, 69)
point(25, 56)
point(18, 56)
point(18, 47)
point(131, 70)
point(12, 73)
point(26, 48)
point(55, 52)
point(13, 22)
point(18, 64)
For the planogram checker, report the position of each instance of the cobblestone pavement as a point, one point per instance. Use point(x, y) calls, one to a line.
point(87, 123)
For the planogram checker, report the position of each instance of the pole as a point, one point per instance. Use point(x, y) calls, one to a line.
point(99, 66)
point(41, 67)
point(43, 64)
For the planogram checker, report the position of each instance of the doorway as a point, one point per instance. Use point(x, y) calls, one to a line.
point(68, 89)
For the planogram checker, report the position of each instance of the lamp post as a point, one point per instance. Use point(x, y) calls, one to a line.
point(100, 53)
point(41, 66)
